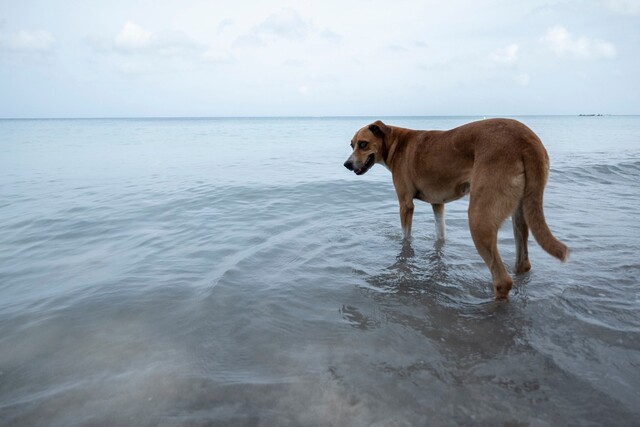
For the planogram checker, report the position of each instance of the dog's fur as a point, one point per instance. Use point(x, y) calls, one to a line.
point(500, 163)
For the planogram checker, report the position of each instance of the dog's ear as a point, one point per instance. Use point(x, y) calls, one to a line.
point(379, 129)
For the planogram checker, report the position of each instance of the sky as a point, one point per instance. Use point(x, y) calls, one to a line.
point(194, 58)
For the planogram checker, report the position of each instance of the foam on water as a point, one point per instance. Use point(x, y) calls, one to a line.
point(231, 271)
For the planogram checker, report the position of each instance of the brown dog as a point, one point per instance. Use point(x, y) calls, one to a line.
point(500, 163)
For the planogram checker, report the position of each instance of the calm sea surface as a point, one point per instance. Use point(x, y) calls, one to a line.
point(232, 272)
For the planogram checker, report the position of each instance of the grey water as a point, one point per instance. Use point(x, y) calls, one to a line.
point(232, 272)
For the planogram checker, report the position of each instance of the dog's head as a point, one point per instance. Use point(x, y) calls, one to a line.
point(368, 146)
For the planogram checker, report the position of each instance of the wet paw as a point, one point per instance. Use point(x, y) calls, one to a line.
point(501, 290)
point(523, 267)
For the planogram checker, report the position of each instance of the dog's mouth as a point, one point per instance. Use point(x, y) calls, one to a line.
point(371, 160)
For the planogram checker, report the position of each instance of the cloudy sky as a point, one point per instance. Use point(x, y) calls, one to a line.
point(318, 58)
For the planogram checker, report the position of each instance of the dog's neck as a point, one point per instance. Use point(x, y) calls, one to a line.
point(393, 143)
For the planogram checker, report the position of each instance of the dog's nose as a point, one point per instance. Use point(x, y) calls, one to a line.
point(349, 165)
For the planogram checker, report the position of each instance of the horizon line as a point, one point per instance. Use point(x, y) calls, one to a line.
point(315, 116)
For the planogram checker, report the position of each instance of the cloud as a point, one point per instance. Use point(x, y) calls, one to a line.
point(136, 50)
point(28, 42)
point(133, 37)
point(626, 7)
point(329, 34)
point(396, 48)
point(507, 55)
point(563, 44)
point(250, 40)
point(286, 24)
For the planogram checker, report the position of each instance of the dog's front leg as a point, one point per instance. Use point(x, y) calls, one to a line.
point(406, 217)
point(405, 200)
point(438, 213)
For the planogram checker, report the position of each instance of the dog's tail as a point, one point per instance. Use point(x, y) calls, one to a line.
point(536, 169)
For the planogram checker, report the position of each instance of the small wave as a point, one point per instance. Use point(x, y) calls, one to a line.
point(600, 173)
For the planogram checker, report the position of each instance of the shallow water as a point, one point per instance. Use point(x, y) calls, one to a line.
point(232, 272)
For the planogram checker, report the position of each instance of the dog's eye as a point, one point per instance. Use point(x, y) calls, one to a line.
point(362, 144)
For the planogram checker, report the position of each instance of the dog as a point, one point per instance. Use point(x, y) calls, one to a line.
point(500, 163)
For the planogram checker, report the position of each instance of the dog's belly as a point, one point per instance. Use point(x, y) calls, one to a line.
point(443, 194)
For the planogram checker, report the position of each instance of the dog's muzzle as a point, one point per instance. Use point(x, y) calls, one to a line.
point(371, 160)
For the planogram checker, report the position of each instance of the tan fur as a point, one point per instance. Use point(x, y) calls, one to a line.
point(500, 163)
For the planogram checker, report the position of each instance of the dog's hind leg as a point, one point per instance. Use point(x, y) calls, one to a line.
point(485, 239)
point(438, 213)
point(489, 205)
point(521, 234)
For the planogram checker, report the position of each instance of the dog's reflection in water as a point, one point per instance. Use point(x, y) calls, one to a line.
point(411, 273)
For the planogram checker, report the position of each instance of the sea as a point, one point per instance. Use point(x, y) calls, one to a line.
point(231, 272)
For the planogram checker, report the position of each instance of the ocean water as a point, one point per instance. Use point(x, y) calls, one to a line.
point(169, 272)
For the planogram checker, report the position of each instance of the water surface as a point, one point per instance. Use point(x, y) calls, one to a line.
point(231, 272)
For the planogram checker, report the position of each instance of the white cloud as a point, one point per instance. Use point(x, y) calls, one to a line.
point(627, 7)
point(330, 35)
point(28, 42)
point(286, 23)
point(251, 40)
point(563, 44)
point(133, 37)
point(507, 55)
point(135, 50)
point(396, 48)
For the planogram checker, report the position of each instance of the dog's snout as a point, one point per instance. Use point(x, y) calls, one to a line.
point(349, 165)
